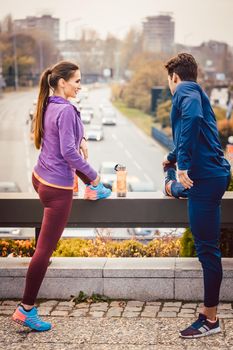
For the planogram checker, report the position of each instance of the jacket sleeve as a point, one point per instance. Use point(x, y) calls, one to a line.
point(66, 127)
point(191, 117)
point(172, 156)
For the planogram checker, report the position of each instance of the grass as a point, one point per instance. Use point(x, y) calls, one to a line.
point(142, 120)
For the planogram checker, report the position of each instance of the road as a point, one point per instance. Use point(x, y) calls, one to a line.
point(123, 143)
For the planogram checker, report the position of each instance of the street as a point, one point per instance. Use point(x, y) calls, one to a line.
point(123, 143)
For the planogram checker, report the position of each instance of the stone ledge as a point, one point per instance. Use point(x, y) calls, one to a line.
point(126, 278)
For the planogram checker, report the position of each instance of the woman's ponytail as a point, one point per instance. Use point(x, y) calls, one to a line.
point(41, 106)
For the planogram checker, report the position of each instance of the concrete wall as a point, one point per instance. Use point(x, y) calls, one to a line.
point(128, 278)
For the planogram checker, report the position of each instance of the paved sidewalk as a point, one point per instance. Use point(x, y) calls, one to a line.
point(126, 325)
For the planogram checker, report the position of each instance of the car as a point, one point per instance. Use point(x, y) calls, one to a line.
point(87, 108)
point(143, 231)
point(9, 186)
point(108, 173)
point(95, 132)
point(79, 232)
point(5, 232)
point(85, 117)
point(141, 186)
point(109, 116)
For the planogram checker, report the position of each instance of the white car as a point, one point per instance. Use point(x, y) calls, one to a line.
point(87, 108)
point(95, 132)
point(108, 173)
point(9, 186)
point(85, 117)
point(109, 116)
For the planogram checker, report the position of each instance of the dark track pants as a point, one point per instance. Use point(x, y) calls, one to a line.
point(204, 201)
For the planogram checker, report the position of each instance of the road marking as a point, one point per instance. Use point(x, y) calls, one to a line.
point(114, 137)
point(128, 154)
point(137, 165)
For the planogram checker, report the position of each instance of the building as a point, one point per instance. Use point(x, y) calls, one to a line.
point(214, 58)
point(45, 23)
point(158, 33)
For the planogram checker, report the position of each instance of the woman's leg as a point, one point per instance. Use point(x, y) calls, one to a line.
point(57, 206)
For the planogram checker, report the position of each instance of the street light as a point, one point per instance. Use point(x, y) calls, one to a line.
point(67, 23)
point(15, 59)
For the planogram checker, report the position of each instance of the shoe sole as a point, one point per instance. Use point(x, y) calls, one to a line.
point(210, 332)
point(21, 323)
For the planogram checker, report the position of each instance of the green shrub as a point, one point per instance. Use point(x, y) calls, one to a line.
point(187, 244)
point(99, 247)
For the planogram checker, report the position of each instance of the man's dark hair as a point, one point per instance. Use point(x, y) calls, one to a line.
point(183, 65)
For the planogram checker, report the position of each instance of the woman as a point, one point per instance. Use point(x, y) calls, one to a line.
point(59, 133)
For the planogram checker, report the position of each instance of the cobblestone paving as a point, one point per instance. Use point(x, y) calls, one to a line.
point(117, 325)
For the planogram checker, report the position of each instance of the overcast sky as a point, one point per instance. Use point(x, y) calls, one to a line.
point(195, 20)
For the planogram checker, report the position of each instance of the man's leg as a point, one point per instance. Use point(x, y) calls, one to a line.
point(204, 215)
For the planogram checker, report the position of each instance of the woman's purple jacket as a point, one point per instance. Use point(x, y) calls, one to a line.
point(63, 133)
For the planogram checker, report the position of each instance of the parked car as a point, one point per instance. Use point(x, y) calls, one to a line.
point(79, 232)
point(109, 116)
point(143, 231)
point(95, 132)
point(8, 232)
point(141, 186)
point(108, 173)
point(9, 186)
point(85, 117)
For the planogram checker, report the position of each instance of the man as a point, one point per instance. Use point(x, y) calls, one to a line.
point(203, 174)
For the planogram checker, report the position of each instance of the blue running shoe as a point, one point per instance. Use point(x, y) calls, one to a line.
point(201, 328)
point(96, 192)
point(30, 319)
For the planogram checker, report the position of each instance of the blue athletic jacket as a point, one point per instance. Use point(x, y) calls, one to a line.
point(195, 134)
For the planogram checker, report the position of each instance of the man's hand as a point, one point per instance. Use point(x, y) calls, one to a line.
point(84, 149)
point(184, 178)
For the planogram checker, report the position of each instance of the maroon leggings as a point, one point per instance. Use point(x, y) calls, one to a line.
point(57, 206)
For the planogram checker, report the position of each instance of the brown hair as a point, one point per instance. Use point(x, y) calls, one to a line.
point(49, 79)
point(183, 65)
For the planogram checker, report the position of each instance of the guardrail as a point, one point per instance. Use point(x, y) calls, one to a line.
point(161, 137)
point(138, 209)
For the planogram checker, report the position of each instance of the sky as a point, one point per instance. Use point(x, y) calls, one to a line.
point(195, 20)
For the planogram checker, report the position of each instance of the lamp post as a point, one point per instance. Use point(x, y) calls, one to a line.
point(16, 73)
point(67, 23)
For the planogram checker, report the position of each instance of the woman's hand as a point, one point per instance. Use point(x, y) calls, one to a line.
point(184, 178)
point(84, 149)
point(96, 181)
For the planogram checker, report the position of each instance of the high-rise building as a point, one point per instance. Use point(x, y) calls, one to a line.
point(158, 33)
point(45, 23)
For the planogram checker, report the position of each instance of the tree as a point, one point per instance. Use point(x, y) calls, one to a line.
point(146, 74)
